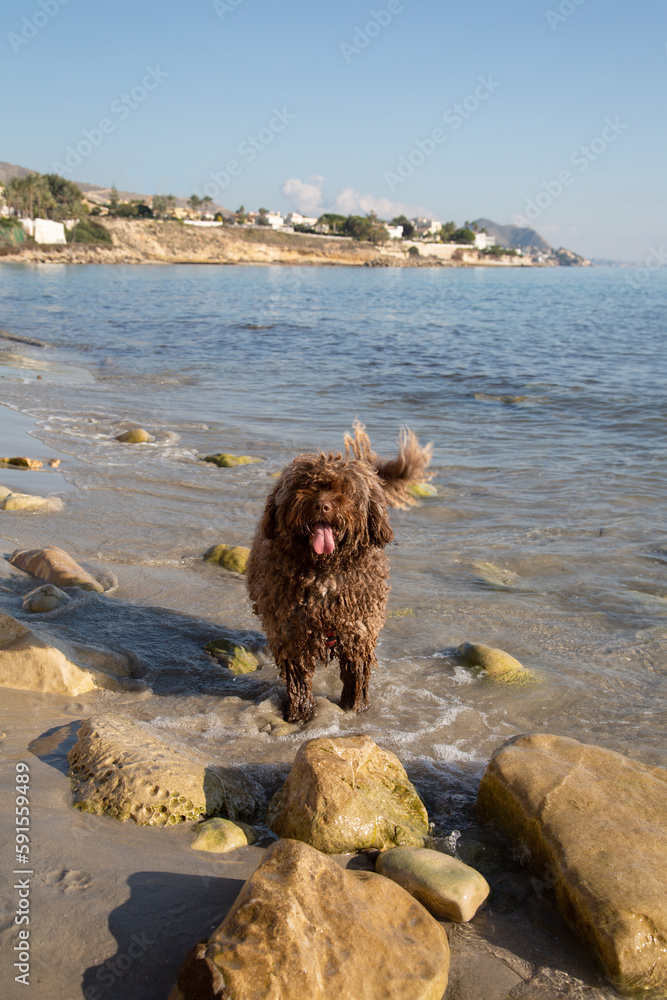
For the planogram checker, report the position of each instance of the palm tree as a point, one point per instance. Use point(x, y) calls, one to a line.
point(159, 205)
point(171, 203)
point(206, 201)
point(194, 201)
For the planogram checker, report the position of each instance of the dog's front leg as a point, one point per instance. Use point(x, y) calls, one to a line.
point(298, 679)
point(355, 675)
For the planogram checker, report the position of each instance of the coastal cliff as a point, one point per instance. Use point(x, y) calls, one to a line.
point(171, 242)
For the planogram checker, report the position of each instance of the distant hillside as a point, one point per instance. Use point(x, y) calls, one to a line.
point(93, 192)
point(9, 170)
point(514, 237)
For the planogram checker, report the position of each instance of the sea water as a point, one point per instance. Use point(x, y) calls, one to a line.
point(543, 392)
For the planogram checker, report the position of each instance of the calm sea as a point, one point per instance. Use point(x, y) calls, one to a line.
point(544, 394)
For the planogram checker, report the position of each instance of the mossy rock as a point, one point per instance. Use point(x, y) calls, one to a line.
point(347, 794)
point(497, 664)
point(495, 576)
point(22, 463)
point(219, 836)
point(226, 461)
point(422, 490)
point(231, 557)
point(126, 769)
point(230, 654)
point(137, 435)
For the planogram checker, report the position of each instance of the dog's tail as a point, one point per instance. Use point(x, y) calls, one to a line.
point(409, 468)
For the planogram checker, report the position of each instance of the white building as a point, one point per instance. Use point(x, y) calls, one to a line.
point(44, 230)
point(296, 219)
point(395, 232)
point(426, 227)
point(275, 220)
point(483, 241)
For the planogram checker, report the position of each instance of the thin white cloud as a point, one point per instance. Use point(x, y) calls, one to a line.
point(350, 202)
point(305, 196)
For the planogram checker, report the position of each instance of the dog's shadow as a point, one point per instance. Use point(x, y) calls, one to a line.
point(165, 915)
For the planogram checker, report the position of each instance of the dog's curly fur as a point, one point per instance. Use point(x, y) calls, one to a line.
point(333, 602)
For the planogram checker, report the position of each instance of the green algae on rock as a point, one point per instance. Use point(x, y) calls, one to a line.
point(448, 888)
point(22, 463)
point(44, 598)
point(226, 461)
point(235, 657)
point(136, 435)
point(597, 821)
point(304, 928)
point(496, 663)
point(231, 557)
point(121, 767)
point(347, 794)
point(494, 576)
point(219, 836)
point(55, 566)
point(422, 490)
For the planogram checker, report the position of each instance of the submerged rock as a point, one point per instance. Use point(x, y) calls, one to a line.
point(55, 566)
point(25, 501)
point(422, 490)
point(219, 836)
point(226, 461)
point(136, 435)
point(445, 886)
point(44, 598)
point(230, 654)
point(31, 661)
point(232, 557)
point(347, 794)
point(123, 768)
point(22, 463)
point(303, 928)
point(495, 576)
point(598, 822)
point(496, 663)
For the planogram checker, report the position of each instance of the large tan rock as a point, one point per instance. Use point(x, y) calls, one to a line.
point(136, 435)
point(447, 888)
point(55, 566)
point(32, 661)
point(123, 768)
point(347, 794)
point(497, 664)
point(598, 821)
point(303, 928)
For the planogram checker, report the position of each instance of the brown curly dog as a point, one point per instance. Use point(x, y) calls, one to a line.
point(317, 573)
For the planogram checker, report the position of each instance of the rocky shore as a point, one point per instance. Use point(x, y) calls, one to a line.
point(165, 242)
point(360, 896)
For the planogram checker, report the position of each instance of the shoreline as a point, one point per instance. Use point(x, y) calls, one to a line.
point(162, 242)
point(142, 893)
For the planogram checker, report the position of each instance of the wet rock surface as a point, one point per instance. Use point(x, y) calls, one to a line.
point(448, 888)
point(55, 566)
point(598, 822)
point(124, 769)
point(347, 794)
point(303, 928)
point(496, 663)
point(231, 557)
point(38, 661)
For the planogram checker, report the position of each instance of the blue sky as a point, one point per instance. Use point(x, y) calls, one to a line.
point(560, 120)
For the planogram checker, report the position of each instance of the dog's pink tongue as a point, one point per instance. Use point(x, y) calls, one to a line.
point(323, 539)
